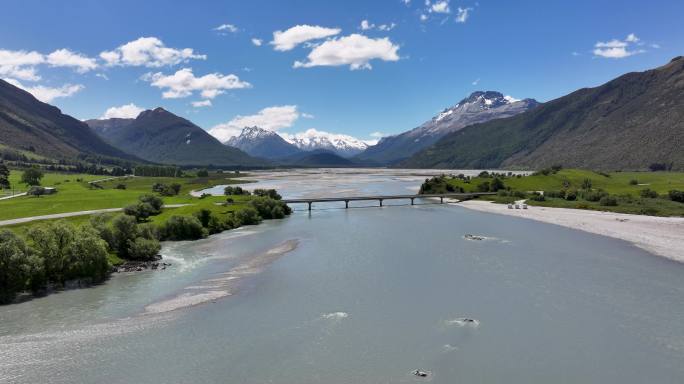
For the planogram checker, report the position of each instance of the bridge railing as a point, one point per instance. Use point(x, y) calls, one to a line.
point(381, 198)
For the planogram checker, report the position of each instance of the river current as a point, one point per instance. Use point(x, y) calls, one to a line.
point(365, 295)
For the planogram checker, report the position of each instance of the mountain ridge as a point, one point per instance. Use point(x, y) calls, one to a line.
point(160, 136)
point(630, 122)
point(479, 106)
point(27, 123)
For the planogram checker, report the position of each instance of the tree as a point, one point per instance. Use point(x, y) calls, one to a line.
point(86, 256)
point(202, 173)
point(143, 249)
point(32, 176)
point(155, 202)
point(124, 230)
point(4, 177)
point(15, 267)
point(182, 228)
point(50, 242)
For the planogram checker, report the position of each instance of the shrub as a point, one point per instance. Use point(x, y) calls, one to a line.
point(519, 194)
point(230, 190)
point(496, 185)
point(100, 223)
point(483, 187)
point(608, 201)
point(593, 196)
point(148, 231)
point(182, 228)
point(166, 190)
point(268, 208)
point(120, 186)
point(155, 202)
point(556, 194)
point(86, 256)
point(247, 216)
point(272, 193)
point(676, 195)
point(538, 197)
point(124, 230)
point(586, 184)
point(202, 173)
point(143, 249)
point(634, 182)
point(203, 215)
point(571, 195)
point(648, 193)
point(660, 167)
point(15, 266)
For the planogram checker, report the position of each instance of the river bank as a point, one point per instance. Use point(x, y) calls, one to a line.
point(663, 236)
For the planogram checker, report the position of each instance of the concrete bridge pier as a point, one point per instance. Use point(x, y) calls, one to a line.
point(412, 200)
point(346, 204)
point(380, 202)
point(309, 205)
point(441, 200)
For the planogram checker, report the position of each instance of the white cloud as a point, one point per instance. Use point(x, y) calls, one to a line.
point(226, 28)
point(290, 38)
point(354, 50)
point(632, 38)
point(271, 118)
point(366, 25)
point(48, 94)
point(66, 58)
point(201, 103)
point(127, 111)
point(423, 17)
point(377, 135)
point(102, 76)
point(617, 49)
point(439, 7)
point(257, 42)
point(184, 83)
point(462, 14)
point(148, 52)
point(476, 81)
point(20, 64)
point(307, 115)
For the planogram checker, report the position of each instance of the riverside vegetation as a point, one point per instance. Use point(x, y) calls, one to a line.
point(83, 250)
point(657, 193)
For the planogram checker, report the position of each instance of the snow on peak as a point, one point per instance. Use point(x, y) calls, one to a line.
point(313, 139)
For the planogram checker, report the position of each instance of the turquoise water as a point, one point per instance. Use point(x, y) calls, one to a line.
point(367, 296)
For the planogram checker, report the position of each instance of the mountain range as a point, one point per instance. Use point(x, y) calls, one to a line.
point(269, 144)
point(630, 122)
point(160, 136)
point(29, 124)
point(480, 106)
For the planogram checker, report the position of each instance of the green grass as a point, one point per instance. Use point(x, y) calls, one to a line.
point(614, 183)
point(79, 196)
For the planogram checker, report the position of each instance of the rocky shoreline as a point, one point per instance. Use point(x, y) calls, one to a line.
point(141, 265)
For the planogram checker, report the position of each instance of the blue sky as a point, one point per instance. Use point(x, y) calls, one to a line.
point(411, 60)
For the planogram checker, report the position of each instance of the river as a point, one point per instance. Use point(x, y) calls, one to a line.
point(365, 295)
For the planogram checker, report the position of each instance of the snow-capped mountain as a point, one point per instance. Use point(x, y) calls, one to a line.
point(479, 107)
point(263, 143)
point(312, 139)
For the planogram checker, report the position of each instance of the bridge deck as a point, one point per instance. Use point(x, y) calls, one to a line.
point(380, 198)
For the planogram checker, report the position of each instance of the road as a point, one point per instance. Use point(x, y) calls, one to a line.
point(22, 220)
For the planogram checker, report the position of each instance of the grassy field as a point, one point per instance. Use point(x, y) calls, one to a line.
point(626, 187)
point(76, 194)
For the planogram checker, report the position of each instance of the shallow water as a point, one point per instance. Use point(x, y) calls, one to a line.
point(367, 296)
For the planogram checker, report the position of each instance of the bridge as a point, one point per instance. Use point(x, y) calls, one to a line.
point(381, 198)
